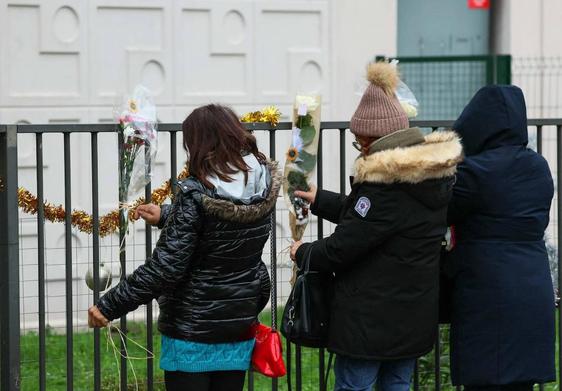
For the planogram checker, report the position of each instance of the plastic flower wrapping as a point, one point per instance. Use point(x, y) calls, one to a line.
point(403, 93)
point(137, 123)
point(406, 97)
point(301, 159)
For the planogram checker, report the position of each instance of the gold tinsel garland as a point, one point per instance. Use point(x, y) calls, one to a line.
point(109, 223)
point(269, 114)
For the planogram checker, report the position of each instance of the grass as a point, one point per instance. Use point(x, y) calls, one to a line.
point(83, 353)
point(84, 375)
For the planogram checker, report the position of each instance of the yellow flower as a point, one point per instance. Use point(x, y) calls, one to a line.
point(270, 114)
point(133, 107)
point(292, 154)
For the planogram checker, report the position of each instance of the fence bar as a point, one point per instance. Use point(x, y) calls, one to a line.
point(322, 369)
point(173, 162)
point(559, 222)
point(288, 359)
point(123, 263)
point(437, 350)
point(342, 162)
point(96, 254)
point(9, 262)
point(298, 367)
point(417, 376)
point(250, 379)
point(41, 261)
point(319, 182)
point(148, 254)
point(68, 263)
point(438, 360)
point(272, 155)
point(539, 151)
point(539, 139)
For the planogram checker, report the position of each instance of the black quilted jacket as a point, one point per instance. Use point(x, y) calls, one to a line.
point(206, 270)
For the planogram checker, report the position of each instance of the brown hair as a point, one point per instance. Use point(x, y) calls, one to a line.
point(215, 140)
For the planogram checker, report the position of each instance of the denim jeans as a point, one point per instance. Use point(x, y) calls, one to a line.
point(362, 375)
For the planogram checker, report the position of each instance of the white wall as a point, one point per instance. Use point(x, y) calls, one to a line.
point(530, 28)
point(67, 61)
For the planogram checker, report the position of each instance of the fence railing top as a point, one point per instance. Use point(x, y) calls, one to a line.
point(176, 127)
point(418, 59)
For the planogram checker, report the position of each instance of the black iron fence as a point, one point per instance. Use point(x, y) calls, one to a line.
point(31, 352)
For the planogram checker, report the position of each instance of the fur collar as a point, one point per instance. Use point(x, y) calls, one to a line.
point(229, 211)
point(436, 158)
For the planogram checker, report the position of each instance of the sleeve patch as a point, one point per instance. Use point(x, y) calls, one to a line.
point(362, 206)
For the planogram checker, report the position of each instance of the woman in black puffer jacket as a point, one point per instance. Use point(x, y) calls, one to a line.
point(206, 270)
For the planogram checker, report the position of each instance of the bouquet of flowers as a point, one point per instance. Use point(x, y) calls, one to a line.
point(137, 125)
point(301, 160)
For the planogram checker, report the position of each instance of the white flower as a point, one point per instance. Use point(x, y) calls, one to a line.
point(310, 101)
point(411, 110)
point(128, 132)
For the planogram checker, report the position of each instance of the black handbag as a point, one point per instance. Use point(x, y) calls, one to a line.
point(307, 313)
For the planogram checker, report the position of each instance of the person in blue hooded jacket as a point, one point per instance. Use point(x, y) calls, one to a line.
point(502, 320)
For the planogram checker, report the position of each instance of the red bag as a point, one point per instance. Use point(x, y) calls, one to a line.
point(267, 357)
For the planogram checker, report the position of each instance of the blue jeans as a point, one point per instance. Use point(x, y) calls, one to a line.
point(362, 375)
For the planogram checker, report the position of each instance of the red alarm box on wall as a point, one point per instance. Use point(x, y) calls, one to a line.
point(479, 4)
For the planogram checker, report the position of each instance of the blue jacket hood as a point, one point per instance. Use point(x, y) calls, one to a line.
point(495, 117)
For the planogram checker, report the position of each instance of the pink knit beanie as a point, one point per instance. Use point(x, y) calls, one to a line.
point(379, 113)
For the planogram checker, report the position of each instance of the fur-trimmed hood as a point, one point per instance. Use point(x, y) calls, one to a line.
point(435, 158)
point(241, 213)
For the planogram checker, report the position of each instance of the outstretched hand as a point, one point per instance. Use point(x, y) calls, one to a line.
point(149, 213)
point(96, 318)
point(294, 247)
point(308, 196)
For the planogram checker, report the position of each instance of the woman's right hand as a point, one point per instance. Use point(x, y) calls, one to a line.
point(149, 212)
point(308, 196)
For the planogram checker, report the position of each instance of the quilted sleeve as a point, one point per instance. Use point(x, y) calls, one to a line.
point(170, 261)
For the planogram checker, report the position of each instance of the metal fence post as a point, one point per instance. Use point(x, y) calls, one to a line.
point(503, 69)
point(9, 260)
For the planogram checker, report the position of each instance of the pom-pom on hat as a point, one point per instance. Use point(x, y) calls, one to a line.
point(379, 113)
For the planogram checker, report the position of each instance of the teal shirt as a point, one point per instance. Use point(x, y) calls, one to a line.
point(188, 356)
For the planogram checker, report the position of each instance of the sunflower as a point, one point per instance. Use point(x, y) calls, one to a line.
point(133, 107)
point(292, 154)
